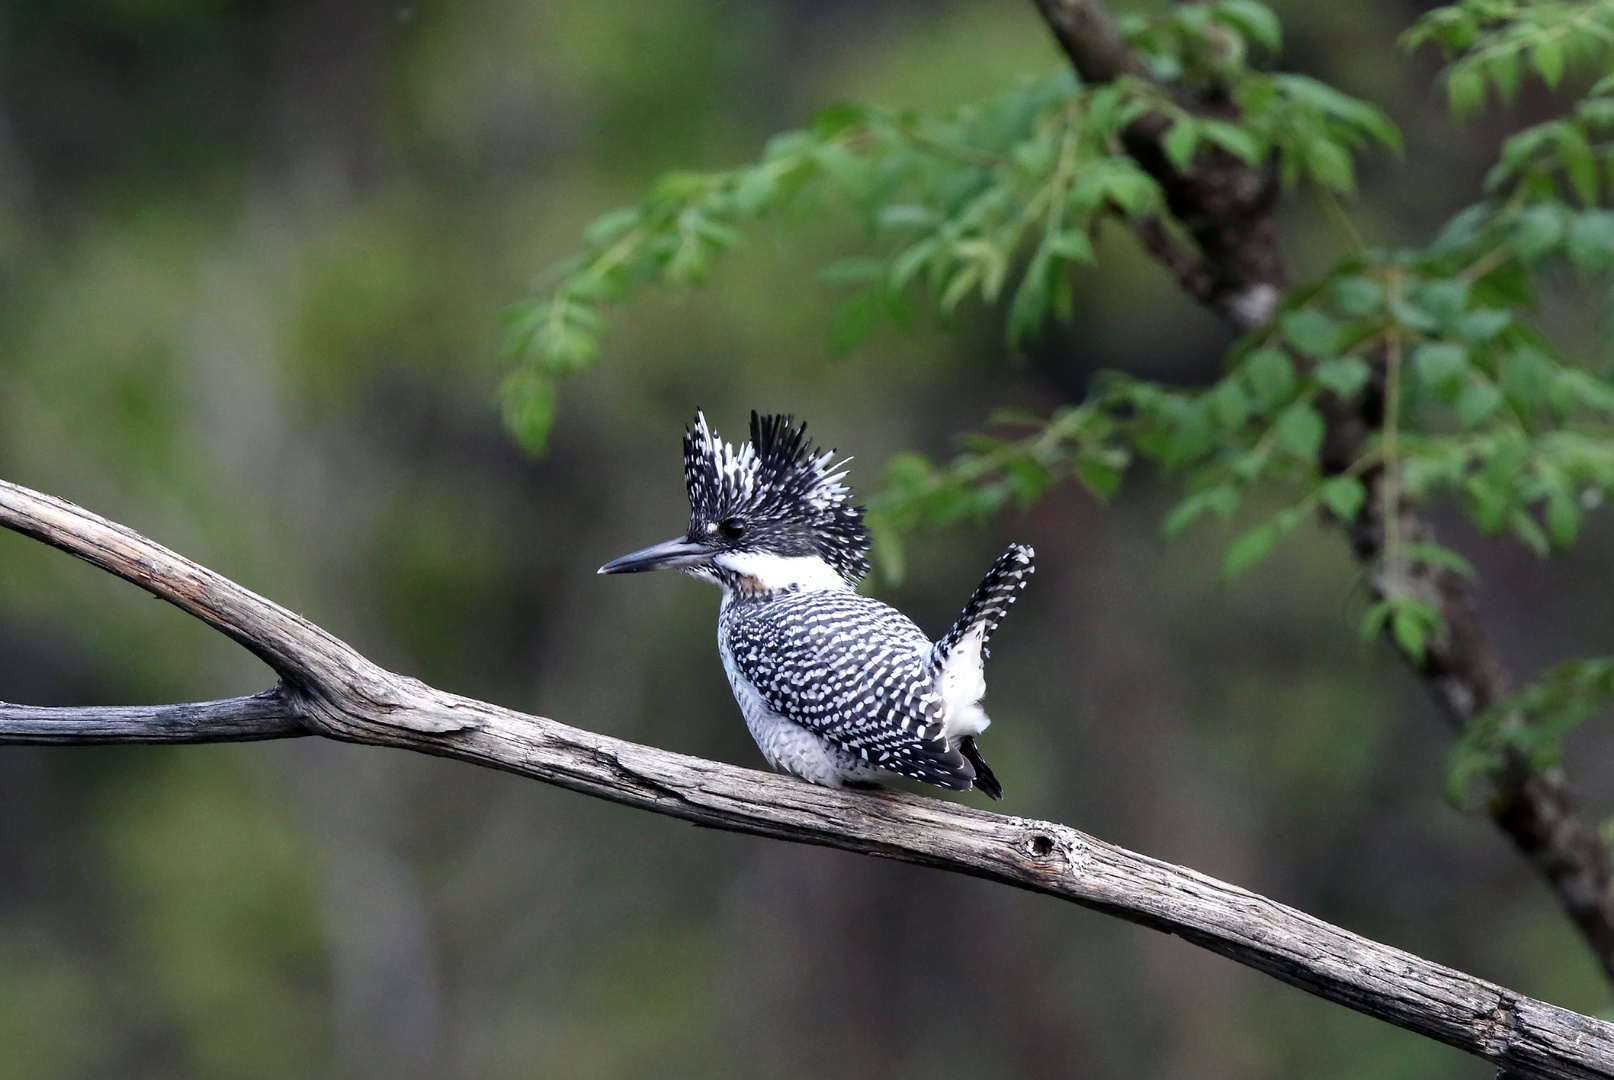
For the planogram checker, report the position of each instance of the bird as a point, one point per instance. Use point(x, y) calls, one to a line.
point(834, 686)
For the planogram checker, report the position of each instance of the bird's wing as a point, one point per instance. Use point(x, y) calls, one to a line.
point(853, 671)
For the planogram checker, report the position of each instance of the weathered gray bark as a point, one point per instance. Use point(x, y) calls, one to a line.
point(329, 689)
point(242, 719)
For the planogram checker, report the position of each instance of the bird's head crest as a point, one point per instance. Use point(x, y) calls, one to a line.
point(776, 493)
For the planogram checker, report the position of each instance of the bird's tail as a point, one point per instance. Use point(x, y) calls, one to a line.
point(991, 600)
point(958, 659)
point(985, 782)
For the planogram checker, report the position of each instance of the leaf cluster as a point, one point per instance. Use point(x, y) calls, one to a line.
point(1531, 725)
point(1467, 398)
point(1000, 201)
point(1494, 42)
point(1488, 413)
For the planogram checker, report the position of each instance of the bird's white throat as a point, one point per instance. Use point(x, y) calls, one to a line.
point(774, 573)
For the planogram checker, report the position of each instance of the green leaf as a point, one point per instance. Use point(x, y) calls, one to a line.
point(1591, 241)
point(1410, 623)
point(1099, 474)
point(1179, 143)
point(1526, 529)
point(1374, 619)
point(1223, 500)
point(1444, 299)
point(1186, 512)
point(1228, 405)
point(527, 401)
point(1070, 245)
point(1232, 138)
point(1356, 296)
point(1344, 495)
point(964, 279)
point(1367, 120)
point(754, 190)
point(1548, 57)
point(1414, 317)
point(1248, 467)
point(1028, 479)
point(1300, 431)
point(851, 172)
point(836, 119)
point(1254, 20)
point(1504, 72)
point(1442, 557)
point(1190, 436)
point(1563, 518)
point(1271, 375)
point(1409, 633)
point(1440, 365)
point(1538, 230)
point(1477, 401)
point(563, 346)
point(678, 186)
point(1312, 332)
point(1249, 549)
point(1465, 87)
point(1482, 324)
point(1579, 164)
point(1344, 376)
point(1571, 386)
point(612, 225)
point(1329, 164)
point(1525, 377)
point(913, 260)
point(1487, 503)
point(1463, 228)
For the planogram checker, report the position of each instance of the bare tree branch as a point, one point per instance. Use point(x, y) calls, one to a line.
point(1240, 273)
point(330, 689)
point(244, 719)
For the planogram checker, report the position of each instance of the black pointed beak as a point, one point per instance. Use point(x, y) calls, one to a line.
point(668, 556)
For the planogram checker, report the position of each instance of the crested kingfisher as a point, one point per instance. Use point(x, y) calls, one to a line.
point(835, 686)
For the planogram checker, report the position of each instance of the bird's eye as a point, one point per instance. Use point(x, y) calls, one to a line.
point(733, 528)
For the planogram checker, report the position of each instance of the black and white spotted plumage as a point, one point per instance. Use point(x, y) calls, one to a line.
point(833, 685)
point(959, 658)
point(851, 670)
point(788, 493)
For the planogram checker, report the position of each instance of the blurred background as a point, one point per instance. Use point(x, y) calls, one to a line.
point(253, 261)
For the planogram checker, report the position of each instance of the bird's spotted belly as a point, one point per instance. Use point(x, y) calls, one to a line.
point(788, 746)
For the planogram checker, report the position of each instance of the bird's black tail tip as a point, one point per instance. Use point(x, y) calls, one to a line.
point(985, 781)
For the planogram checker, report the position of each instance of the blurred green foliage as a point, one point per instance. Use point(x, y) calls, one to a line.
point(252, 260)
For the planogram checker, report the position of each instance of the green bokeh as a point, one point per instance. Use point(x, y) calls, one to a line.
point(253, 260)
